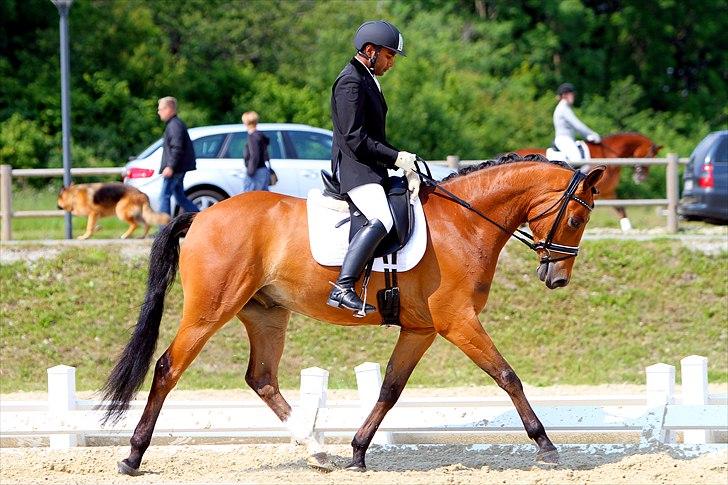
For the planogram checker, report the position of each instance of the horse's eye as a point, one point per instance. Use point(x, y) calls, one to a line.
point(575, 222)
point(595, 190)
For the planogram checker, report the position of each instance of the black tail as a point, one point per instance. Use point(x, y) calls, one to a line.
point(128, 374)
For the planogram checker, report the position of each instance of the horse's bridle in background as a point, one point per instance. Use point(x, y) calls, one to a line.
point(547, 245)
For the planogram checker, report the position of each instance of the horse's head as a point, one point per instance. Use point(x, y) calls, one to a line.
point(644, 150)
point(632, 145)
point(557, 222)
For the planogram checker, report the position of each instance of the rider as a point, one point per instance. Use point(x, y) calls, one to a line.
point(566, 123)
point(361, 155)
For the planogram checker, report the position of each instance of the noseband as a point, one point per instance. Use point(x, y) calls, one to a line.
point(547, 245)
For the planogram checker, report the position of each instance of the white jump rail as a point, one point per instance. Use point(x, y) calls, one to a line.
point(657, 415)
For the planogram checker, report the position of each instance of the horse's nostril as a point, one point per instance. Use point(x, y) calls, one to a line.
point(559, 283)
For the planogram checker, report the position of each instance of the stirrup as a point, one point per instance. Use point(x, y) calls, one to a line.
point(338, 303)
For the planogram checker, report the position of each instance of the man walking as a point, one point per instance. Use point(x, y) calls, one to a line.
point(178, 158)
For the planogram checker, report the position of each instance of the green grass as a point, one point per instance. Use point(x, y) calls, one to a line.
point(629, 305)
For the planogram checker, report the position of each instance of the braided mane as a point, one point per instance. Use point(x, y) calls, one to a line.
point(504, 159)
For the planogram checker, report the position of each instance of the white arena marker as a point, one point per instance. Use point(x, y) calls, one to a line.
point(61, 400)
point(369, 384)
point(694, 374)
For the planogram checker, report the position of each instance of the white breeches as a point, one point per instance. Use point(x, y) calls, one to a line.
point(568, 146)
point(371, 200)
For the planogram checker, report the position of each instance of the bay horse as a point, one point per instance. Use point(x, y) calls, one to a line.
point(618, 145)
point(249, 256)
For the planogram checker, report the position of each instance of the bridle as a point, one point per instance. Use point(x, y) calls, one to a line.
point(547, 245)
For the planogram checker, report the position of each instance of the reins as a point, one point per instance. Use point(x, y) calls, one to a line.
point(526, 238)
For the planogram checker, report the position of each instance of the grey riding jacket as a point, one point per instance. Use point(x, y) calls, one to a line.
point(566, 123)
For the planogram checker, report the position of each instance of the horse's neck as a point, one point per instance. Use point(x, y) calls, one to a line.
point(623, 144)
point(503, 193)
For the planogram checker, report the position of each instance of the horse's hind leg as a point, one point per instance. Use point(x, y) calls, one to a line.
point(471, 338)
point(194, 331)
point(266, 327)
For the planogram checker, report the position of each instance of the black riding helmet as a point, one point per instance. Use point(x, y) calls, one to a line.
point(380, 33)
point(565, 88)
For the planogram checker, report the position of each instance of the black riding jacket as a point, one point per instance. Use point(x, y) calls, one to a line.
point(360, 153)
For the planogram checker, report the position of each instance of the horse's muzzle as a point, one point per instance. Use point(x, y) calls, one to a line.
point(546, 274)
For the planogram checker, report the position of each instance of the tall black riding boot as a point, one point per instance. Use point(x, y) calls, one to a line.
point(361, 250)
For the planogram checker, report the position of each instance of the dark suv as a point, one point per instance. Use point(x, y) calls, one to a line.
point(705, 189)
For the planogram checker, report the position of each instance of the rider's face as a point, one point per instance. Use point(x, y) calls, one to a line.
point(385, 61)
point(569, 97)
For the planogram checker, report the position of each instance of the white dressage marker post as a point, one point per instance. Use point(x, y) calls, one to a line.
point(369, 384)
point(61, 400)
point(660, 389)
point(694, 374)
point(314, 388)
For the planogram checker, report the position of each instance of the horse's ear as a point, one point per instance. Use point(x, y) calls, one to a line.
point(657, 149)
point(594, 175)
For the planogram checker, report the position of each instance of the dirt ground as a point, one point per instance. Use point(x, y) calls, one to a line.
point(286, 464)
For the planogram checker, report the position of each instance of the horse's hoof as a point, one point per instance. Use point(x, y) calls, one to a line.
point(353, 467)
point(125, 469)
point(549, 457)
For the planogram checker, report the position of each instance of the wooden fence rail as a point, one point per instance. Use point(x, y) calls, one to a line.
point(7, 173)
point(656, 415)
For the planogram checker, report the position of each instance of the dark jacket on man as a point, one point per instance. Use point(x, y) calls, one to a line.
point(360, 153)
point(256, 151)
point(178, 153)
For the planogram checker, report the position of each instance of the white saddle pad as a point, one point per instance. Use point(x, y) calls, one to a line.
point(560, 156)
point(329, 244)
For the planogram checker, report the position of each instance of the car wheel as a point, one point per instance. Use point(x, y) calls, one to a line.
point(204, 198)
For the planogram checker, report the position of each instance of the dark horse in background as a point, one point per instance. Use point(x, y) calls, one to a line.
point(619, 145)
point(249, 257)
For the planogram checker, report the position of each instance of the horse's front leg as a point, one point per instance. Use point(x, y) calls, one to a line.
point(470, 337)
point(408, 351)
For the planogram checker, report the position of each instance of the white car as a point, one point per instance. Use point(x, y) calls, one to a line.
point(298, 154)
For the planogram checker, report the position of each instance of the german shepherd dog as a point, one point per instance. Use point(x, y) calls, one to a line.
point(102, 200)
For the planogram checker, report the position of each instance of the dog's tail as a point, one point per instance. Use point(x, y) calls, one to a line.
point(151, 217)
point(128, 374)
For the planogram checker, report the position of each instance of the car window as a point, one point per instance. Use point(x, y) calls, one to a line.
point(208, 146)
point(701, 151)
point(311, 145)
point(150, 149)
point(721, 152)
point(236, 147)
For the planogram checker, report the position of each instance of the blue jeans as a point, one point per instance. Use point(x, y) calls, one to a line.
point(173, 186)
point(259, 180)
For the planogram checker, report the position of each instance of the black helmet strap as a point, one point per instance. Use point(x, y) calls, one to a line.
point(373, 59)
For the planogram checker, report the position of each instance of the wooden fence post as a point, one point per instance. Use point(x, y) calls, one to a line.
point(61, 399)
point(369, 383)
point(672, 192)
point(314, 388)
point(453, 161)
point(694, 375)
point(660, 389)
point(6, 202)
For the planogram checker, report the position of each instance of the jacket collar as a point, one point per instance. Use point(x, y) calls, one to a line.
point(361, 69)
